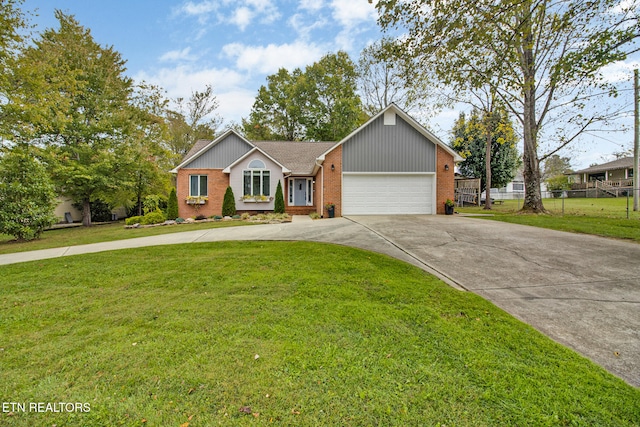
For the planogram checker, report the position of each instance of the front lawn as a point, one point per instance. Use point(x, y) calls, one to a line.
point(77, 235)
point(600, 217)
point(283, 333)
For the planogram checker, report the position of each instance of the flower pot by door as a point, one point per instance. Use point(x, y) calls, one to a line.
point(331, 211)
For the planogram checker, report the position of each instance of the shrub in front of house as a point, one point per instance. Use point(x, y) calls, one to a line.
point(279, 202)
point(134, 220)
point(228, 203)
point(155, 217)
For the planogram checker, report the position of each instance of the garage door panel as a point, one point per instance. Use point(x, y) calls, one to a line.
point(387, 194)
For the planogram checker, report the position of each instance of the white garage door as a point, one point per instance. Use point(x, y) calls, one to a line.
point(370, 194)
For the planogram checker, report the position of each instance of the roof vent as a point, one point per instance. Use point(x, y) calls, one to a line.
point(389, 118)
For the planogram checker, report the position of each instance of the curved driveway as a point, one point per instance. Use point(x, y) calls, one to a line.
point(582, 291)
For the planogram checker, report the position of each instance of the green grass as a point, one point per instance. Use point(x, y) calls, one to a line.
point(101, 233)
point(601, 217)
point(164, 336)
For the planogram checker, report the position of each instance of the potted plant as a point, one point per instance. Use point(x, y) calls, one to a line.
point(448, 207)
point(331, 209)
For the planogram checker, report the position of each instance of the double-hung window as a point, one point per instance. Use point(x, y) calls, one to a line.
point(198, 186)
point(257, 179)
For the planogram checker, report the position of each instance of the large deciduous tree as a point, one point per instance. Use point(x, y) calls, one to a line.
point(276, 112)
point(543, 59)
point(12, 21)
point(383, 79)
point(71, 94)
point(469, 139)
point(319, 104)
point(192, 120)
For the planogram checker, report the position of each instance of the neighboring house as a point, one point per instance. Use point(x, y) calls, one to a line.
point(617, 170)
point(389, 165)
point(515, 189)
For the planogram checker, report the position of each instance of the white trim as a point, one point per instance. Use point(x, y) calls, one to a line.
point(291, 200)
point(250, 152)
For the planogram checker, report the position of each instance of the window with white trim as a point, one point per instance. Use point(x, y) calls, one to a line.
point(198, 186)
point(257, 179)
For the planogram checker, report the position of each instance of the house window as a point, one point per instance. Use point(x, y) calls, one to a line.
point(198, 186)
point(257, 179)
point(518, 186)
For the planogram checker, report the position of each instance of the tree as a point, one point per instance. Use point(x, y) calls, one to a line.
point(71, 95)
point(332, 106)
point(276, 112)
point(27, 197)
point(319, 104)
point(555, 166)
point(172, 205)
point(12, 22)
point(382, 80)
point(555, 173)
point(196, 119)
point(229, 203)
point(542, 58)
point(470, 141)
point(279, 201)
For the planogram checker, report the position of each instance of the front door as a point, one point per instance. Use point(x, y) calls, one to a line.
point(299, 192)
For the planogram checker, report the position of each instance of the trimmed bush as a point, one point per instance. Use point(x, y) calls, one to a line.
point(279, 202)
point(172, 205)
point(228, 203)
point(155, 217)
point(134, 220)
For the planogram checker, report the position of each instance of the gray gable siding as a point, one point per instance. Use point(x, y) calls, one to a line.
point(221, 155)
point(380, 148)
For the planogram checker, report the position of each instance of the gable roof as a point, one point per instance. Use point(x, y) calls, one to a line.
point(298, 157)
point(411, 121)
point(623, 163)
point(201, 146)
point(253, 150)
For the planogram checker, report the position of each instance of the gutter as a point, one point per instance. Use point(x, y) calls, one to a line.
point(321, 160)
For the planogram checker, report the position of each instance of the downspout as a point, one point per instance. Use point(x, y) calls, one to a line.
point(321, 187)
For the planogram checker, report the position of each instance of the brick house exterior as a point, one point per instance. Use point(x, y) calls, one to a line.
point(390, 165)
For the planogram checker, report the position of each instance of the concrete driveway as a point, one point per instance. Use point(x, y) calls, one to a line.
point(582, 291)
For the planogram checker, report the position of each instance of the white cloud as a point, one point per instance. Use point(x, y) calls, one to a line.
point(269, 59)
point(178, 55)
point(304, 28)
point(196, 9)
point(312, 5)
point(351, 13)
point(242, 17)
point(228, 85)
point(620, 71)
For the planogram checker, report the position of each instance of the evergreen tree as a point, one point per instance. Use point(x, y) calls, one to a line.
point(279, 202)
point(172, 205)
point(228, 203)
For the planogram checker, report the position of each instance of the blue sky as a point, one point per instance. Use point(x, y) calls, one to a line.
point(234, 44)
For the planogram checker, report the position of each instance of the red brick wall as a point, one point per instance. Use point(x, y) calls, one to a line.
point(217, 183)
point(445, 179)
point(332, 181)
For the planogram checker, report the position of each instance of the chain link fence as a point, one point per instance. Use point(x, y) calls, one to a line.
point(586, 202)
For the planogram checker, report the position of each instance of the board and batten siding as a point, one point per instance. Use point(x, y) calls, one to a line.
point(221, 155)
point(392, 147)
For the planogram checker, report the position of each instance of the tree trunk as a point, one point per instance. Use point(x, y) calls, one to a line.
point(487, 165)
point(86, 212)
point(531, 170)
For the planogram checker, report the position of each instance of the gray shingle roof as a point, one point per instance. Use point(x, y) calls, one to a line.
point(298, 157)
point(623, 163)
